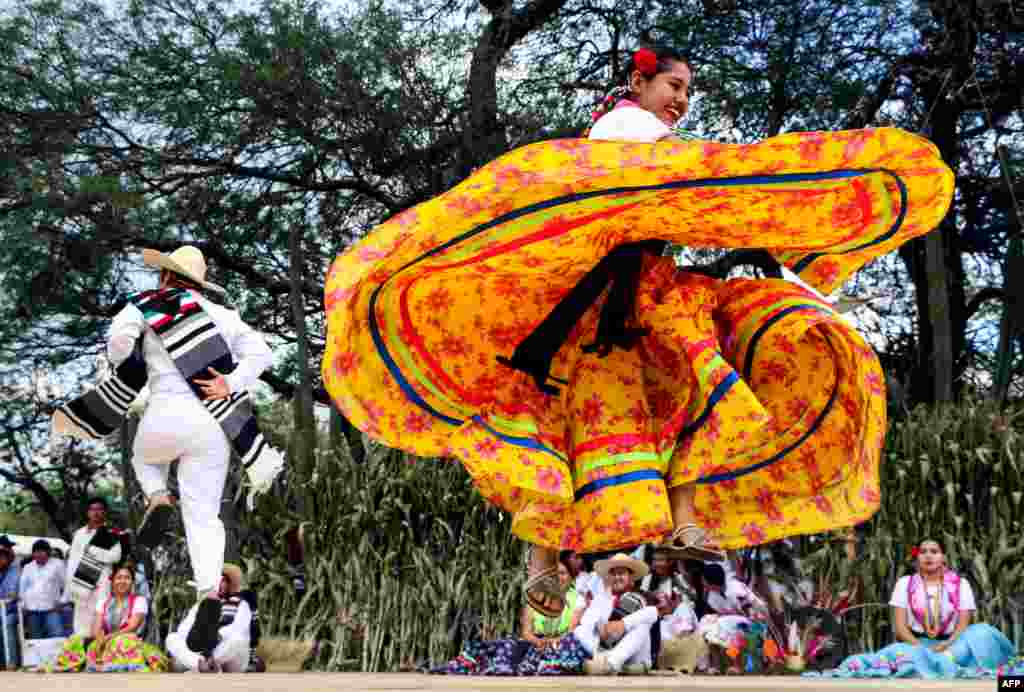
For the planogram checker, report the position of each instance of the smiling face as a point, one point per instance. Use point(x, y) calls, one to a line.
point(620, 579)
point(930, 557)
point(122, 582)
point(666, 94)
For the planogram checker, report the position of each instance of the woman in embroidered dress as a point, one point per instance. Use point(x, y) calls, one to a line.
point(932, 611)
point(716, 414)
point(115, 644)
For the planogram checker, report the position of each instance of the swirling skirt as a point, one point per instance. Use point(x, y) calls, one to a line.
point(755, 390)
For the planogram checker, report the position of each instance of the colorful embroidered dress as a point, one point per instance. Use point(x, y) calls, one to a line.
point(981, 651)
point(757, 390)
point(120, 652)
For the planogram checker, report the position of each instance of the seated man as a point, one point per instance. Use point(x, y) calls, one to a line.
point(231, 654)
point(616, 627)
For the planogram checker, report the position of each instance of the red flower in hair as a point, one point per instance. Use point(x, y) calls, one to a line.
point(914, 552)
point(646, 61)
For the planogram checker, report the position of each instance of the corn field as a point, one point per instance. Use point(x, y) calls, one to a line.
point(404, 560)
point(955, 474)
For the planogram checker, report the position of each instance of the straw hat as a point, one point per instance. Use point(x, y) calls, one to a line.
point(233, 573)
point(188, 261)
point(638, 568)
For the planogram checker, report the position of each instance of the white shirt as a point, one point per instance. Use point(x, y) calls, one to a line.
point(249, 350)
point(40, 586)
point(682, 621)
point(79, 542)
point(588, 584)
point(238, 629)
point(899, 600)
point(736, 599)
point(629, 124)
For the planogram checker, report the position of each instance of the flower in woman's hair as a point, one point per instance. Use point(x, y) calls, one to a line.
point(646, 61)
point(914, 552)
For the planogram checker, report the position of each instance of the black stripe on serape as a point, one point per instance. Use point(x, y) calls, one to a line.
point(246, 437)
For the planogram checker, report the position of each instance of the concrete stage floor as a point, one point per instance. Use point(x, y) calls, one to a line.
point(349, 682)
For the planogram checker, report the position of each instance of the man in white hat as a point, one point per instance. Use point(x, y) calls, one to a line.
point(178, 424)
point(618, 645)
point(230, 651)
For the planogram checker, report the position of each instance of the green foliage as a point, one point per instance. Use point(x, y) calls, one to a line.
point(954, 474)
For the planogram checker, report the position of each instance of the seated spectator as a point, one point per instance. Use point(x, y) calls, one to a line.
point(41, 584)
point(730, 596)
point(10, 650)
point(682, 648)
point(616, 627)
point(546, 646)
point(543, 631)
point(664, 577)
point(932, 610)
point(231, 652)
point(115, 645)
point(583, 578)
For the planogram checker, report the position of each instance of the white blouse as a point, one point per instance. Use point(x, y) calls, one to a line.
point(899, 600)
point(629, 124)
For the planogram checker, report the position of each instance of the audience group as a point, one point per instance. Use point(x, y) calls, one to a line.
point(624, 614)
point(95, 604)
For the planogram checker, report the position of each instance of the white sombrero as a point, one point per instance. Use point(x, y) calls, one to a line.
point(188, 261)
point(637, 567)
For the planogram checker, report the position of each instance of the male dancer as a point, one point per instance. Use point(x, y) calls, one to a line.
point(199, 359)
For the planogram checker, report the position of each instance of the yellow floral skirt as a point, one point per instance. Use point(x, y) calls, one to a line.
point(755, 390)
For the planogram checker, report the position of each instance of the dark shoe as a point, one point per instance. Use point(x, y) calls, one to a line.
point(202, 638)
point(154, 526)
point(208, 665)
point(256, 664)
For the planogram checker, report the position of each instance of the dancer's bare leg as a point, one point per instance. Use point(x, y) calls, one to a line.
point(682, 499)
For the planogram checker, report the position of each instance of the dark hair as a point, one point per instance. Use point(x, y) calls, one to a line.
point(666, 56)
point(41, 545)
point(127, 564)
point(714, 574)
point(97, 501)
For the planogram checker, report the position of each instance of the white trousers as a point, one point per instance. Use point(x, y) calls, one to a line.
point(633, 647)
point(178, 426)
point(231, 654)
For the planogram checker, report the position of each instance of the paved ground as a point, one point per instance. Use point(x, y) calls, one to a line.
point(349, 682)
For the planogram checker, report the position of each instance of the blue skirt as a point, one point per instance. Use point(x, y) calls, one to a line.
point(980, 652)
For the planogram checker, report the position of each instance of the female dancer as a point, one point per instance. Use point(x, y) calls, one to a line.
point(714, 414)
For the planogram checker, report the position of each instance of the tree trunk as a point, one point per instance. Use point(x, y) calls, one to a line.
point(1013, 296)
point(939, 319)
point(304, 436)
point(483, 135)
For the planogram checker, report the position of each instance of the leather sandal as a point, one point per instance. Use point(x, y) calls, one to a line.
point(690, 541)
point(542, 588)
